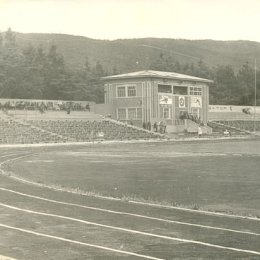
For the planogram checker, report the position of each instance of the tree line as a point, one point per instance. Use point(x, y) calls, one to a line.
point(42, 73)
point(230, 87)
point(38, 72)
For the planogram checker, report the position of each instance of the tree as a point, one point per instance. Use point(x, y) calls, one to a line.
point(10, 39)
point(246, 84)
point(98, 70)
point(225, 85)
point(115, 71)
point(1, 40)
point(29, 54)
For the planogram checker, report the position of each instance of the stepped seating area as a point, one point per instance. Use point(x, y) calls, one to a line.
point(237, 120)
point(59, 127)
point(218, 129)
point(85, 130)
point(12, 132)
point(241, 124)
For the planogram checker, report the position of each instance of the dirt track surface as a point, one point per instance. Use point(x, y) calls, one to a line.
point(40, 223)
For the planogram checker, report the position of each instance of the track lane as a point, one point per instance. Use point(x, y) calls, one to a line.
point(144, 227)
point(136, 243)
point(123, 213)
point(171, 214)
point(41, 189)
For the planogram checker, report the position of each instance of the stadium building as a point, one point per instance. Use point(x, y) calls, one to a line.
point(155, 96)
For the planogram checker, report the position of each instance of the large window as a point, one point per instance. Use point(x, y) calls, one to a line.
point(131, 113)
point(134, 113)
point(131, 91)
point(139, 113)
point(195, 91)
point(164, 88)
point(166, 112)
point(126, 91)
point(180, 90)
point(121, 113)
point(121, 91)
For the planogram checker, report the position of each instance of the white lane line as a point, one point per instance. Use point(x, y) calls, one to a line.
point(129, 214)
point(52, 187)
point(13, 159)
point(10, 154)
point(132, 231)
point(79, 243)
point(203, 212)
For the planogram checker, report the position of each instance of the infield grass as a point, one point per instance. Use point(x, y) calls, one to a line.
point(220, 176)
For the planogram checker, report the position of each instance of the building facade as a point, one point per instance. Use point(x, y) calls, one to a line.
point(153, 96)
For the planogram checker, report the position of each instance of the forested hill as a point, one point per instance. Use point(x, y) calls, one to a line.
point(55, 66)
point(134, 54)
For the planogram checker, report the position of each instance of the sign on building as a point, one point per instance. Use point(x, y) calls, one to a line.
point(181, 102)
point(165, 100)
point(196, 102)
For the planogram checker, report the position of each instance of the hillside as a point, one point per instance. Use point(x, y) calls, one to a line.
point(56, 66)
point(135, 54)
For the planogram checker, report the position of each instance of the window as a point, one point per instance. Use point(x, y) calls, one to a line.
point(121, 113)
point(126, 91)
point(132, 113)
point(195, 112)
point(131, 91)
point(139, 113)
point(164, 88)
point(179, 90)
point(166, 113)
point(121, 92)
point(195, 91)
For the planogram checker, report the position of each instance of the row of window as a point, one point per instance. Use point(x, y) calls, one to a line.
point(179, 90)
point(134, 113)
point(130, 113)
point(130, 91)
point(195, 91)
point(166, 112)
point(126, 91)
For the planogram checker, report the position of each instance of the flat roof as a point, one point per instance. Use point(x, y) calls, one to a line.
point(157, 74)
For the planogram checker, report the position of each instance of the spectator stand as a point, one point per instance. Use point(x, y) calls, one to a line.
point(130, 126)
point(234, 130)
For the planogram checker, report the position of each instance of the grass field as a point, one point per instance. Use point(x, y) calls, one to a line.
point(40, 219)
point(219, 176)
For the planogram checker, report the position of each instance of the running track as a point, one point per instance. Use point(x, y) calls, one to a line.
point(40, 223)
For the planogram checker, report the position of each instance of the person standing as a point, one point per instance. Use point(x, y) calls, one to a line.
point(155, 127)
point(199, 131)
point(161, 127)
point(149, 126)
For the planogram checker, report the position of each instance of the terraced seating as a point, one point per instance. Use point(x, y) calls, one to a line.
point(243, 125)
point(219, 127)
point(85, 130)
point(57, 126)
point(13, 132)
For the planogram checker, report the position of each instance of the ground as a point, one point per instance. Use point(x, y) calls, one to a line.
point(175, 200)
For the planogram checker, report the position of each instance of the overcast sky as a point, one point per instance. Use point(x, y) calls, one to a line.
point(113, 19)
